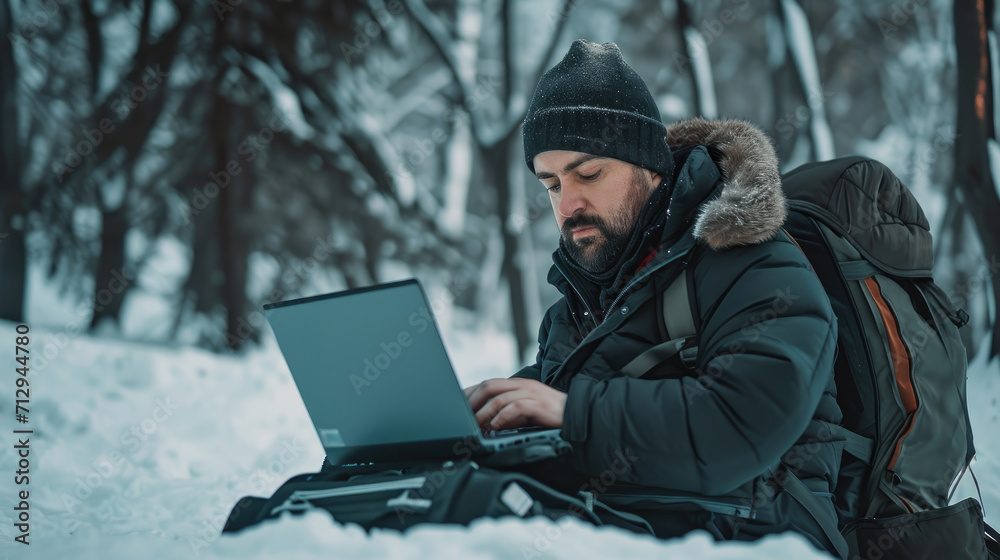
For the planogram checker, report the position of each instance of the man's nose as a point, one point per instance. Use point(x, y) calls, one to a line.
point(571, 202)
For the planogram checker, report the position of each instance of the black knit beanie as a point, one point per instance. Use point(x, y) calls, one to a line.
point(592, 102)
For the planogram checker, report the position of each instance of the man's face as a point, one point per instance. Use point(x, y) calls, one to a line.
point(596, 202)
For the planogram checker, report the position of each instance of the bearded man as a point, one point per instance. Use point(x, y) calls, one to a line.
point(693, 338)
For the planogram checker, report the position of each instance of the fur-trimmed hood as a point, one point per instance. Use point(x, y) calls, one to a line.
point(752, 205)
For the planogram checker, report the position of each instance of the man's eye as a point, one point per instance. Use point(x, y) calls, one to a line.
point(590, 177)
point(554, 188)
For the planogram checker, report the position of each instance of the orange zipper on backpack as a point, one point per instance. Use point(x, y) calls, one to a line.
point(900, 364)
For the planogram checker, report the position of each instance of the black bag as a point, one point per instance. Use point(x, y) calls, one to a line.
point(450, 492)
point(953, 531)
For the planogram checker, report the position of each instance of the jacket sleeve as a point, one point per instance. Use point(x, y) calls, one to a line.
point(766, 351)
point(534, 371)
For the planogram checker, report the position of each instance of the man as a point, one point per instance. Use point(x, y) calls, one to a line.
point(713, 430)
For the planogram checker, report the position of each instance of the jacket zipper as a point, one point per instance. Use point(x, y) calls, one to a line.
point(636, 280)
point(742, 511)
point(578, 294)
point(621, 294)
point(653, 269)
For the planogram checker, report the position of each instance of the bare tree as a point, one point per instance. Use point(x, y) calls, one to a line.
point(13, 253)
point(119, 156)
point(694, 55)
point(974, 183)
point(496, 143)
point(799, 39)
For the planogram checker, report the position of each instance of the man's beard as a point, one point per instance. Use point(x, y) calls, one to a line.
point(598, 253)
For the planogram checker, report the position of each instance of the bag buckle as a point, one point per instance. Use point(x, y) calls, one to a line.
point(412, 505)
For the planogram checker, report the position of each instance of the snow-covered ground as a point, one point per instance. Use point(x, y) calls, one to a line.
point(140, 451)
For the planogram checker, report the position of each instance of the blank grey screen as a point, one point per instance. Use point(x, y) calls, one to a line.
point(372, 366)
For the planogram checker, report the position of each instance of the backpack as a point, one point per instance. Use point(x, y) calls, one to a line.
point(900, 369)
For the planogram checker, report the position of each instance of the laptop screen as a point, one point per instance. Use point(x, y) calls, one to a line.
point(371, 368)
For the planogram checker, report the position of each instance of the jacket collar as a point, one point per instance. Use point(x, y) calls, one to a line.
point(727, 187)
point(751, 206)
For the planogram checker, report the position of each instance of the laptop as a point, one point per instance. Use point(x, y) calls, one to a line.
point(374, 375)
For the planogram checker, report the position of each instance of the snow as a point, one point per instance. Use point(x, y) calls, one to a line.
point(141, 451)
point(993, 151)
point(314, 536)
point(984, 411)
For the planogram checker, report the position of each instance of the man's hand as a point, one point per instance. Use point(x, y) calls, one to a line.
point(503, 404)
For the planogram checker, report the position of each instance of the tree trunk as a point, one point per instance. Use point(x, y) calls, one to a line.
point(496, 166)
point(13, 252)
point(975, 130)
point(695, 56)
point(111, 282)
point(232, 253)
point(496, 150)
point(800, 46)
point(200, 287)
point(13, 264)
point(784, 129)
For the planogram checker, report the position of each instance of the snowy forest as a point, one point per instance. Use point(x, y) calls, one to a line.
point(169, 166)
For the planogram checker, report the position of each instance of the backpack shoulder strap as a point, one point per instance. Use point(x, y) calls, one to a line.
point(679, 321)
point(677, 315)
point(859, 446)
point(816, 509)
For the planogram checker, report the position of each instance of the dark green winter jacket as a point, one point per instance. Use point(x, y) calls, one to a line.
point(707, 439)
